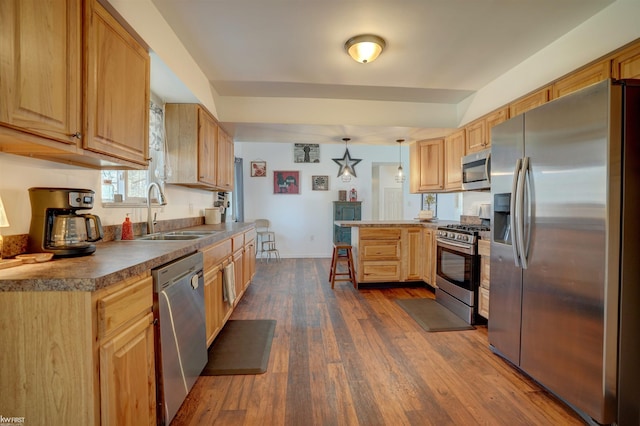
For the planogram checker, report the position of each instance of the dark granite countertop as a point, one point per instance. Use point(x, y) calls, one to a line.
point(111, 263)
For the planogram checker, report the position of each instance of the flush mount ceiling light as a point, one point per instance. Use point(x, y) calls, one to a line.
point(364, 48)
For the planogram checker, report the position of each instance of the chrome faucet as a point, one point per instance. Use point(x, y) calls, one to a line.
point(151, 223)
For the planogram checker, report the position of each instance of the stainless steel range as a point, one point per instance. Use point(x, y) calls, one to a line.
point(458, 270)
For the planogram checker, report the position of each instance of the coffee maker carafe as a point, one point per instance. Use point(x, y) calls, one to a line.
point(57, 228)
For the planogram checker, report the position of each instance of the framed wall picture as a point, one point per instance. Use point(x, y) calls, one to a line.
point(320, 183)
point(258, 169)
point(306, 153)
point(430, 202)
point(286, 182)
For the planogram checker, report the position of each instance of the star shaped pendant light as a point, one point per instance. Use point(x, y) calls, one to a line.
point(346, 163)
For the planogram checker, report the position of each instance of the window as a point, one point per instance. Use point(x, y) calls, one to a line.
point(126, 187)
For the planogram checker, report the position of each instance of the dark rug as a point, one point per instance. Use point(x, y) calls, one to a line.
point(242, 347)
point(432, 316)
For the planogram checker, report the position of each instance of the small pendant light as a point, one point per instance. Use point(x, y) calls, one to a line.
point(400, 176)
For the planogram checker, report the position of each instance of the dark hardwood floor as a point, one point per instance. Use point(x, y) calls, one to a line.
point(354, 357)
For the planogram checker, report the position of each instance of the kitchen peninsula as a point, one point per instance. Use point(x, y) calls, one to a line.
point(402, 251)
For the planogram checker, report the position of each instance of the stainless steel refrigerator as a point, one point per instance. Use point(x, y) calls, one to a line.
point(565, 269)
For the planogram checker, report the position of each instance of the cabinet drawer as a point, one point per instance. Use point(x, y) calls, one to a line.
point(380, 233)
point(379, 250)
point(238, 242)
point(380, 271)
point(123, 305)
point(484, 247)
point(249, 235)
point(213, 255)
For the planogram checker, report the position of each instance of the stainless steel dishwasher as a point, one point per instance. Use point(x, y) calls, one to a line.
point(181, 352)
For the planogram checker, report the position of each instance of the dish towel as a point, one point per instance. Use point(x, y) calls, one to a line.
point(229, 284)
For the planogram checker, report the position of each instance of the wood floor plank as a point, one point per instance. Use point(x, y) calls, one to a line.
point(355, 357)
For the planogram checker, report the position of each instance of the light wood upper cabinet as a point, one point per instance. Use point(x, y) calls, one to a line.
point(580, 79)
point(454, 150)
point(225, 161)
point(426, 160)
point(207, 148)
point(200, 153)
point(478, 132)
point(116, 89)
point(627, 63)
point(476, 135)
point(192, 139)
point(493, 119)
point(40, 70)
point(74, 85)
point(530, 101)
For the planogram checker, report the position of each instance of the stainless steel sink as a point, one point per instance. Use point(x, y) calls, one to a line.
point(201, 233)
point(170, 237)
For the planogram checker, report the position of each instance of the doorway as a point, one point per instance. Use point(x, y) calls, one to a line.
point(387, 194)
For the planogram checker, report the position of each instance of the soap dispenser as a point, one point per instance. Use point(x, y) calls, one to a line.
point(127, 229)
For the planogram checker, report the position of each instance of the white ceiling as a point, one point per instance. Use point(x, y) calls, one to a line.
point(278, 52)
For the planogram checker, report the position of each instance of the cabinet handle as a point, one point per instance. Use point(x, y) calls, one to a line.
point(77, 135)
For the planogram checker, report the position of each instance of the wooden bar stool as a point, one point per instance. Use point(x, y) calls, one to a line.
point(342, 254)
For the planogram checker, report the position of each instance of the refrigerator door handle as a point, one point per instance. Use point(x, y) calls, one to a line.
point(513, 212)
point(523, 246)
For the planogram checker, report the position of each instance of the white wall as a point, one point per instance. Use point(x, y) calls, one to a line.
point(303, 223)
point(18, 174)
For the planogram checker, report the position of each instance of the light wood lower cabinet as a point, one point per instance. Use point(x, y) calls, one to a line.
point(81, 358)
point(239, 249)
point(378, 254)
point(216, 257)
point(484, 250)
point(412, 237)
point(394, 254)
point(429, 257)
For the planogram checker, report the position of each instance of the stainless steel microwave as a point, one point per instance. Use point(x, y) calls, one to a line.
point(476, 170)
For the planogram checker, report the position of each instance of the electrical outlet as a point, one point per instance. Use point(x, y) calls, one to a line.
point(190, 208)
point(311, 238)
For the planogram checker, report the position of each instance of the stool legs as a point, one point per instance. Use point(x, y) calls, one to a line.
point(342, 253)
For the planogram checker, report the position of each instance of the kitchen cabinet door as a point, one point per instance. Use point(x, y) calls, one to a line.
point(413, 253)
point(426, 166)
point(493, 119)
point(530, 101)
point(454, 150)
point(583, 78)
point(627, 63)
point(211, 304)
point(428, 256)
point(40, 70)
point(226, 161)
point(238, 260)
point(476, 136)
point(207, 147)
point(116, 89)
point(127, 376)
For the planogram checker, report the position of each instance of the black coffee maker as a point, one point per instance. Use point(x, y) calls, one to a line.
point(57, 228)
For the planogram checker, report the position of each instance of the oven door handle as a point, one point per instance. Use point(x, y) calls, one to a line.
point(459, 247)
